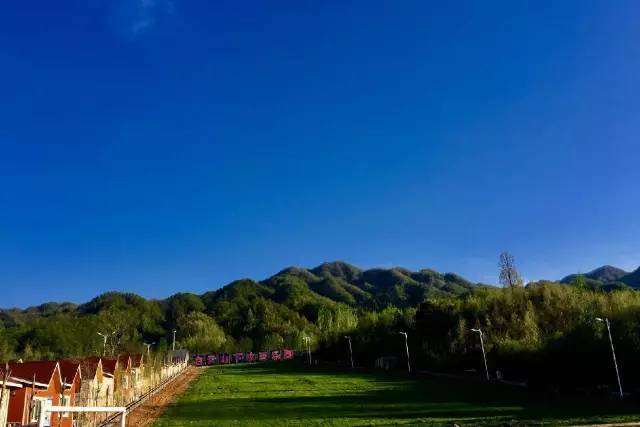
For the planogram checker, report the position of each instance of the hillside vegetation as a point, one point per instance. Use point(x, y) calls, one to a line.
point(607, 277)
point(242, 315)
point(545, 334)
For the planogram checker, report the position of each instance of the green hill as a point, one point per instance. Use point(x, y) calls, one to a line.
point(608, 277)
point(604, 274)
point(632, 279)
point(280, 310)
point(324, 302)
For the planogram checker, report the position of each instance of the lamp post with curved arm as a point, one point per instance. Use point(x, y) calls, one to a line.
point(406, 344)
point(613, 353)
point(350, 350)
point(484, 355)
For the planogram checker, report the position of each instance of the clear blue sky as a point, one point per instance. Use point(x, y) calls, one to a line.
point(157, 146)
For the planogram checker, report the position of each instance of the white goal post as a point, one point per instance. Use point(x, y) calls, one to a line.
point(47, 407)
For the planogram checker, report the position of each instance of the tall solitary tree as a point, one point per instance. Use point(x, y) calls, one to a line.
point(509, 276)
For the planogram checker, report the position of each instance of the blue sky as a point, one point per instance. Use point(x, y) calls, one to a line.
point(157, 146)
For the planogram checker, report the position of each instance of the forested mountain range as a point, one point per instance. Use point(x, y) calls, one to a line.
point(271, 312)
point(323, 303)
point(297, 288)
point(607, 276)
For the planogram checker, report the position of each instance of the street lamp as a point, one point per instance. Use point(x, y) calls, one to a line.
point(149, 347)
point(104, 343)
point(484, 356)
point(350, 350)
point(308, 341)
point(174, 340)
point(406, 343)
point(613, 352)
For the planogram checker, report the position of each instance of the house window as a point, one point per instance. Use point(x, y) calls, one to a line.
point(38, 402)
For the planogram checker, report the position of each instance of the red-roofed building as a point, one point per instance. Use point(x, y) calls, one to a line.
point(95, 389)
point(72, 380)
point(119, 370)
point(138, 380)
point(7, 386)
point(110, 367)
point(137, 360)
point(41, 381)
point(125, 362)
point(90, 368)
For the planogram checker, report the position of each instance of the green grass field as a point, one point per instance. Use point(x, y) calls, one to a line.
point(288, 394)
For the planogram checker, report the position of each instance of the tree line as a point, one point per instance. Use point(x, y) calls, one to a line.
point(544, 333)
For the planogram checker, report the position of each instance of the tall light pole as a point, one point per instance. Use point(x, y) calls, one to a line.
point(613, 353)
point(149, 347)
point(350, 350)
point(406, 344)
point(173, 347)
point(104, 343)
point(484, 355)
point(308, 341)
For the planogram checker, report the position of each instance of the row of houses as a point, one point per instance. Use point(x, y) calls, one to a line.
point(91, 381)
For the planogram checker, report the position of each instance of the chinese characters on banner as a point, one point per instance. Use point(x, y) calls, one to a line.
point(199, 360)
point(239, 357)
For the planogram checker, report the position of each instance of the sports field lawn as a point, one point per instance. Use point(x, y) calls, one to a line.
point(288, 394)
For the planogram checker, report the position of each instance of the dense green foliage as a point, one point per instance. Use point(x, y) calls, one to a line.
point(545, 333)
point(287, 394)
point(321, 303)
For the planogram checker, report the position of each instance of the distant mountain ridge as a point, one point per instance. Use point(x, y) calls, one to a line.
point(373, 288)
point(343, 283)
point(295, 302)
point(608, 275)
point(328, 283)
point(632, 279)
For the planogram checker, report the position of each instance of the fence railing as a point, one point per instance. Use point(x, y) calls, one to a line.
point(111, 420)
point(48, 408)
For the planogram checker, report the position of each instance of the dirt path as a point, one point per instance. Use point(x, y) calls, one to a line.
point(147, 413)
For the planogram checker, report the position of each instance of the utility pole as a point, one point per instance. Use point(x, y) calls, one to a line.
point(174, 340)
point(613, 353)
point(484, 356)
point(350, 350)
point(406, 343)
